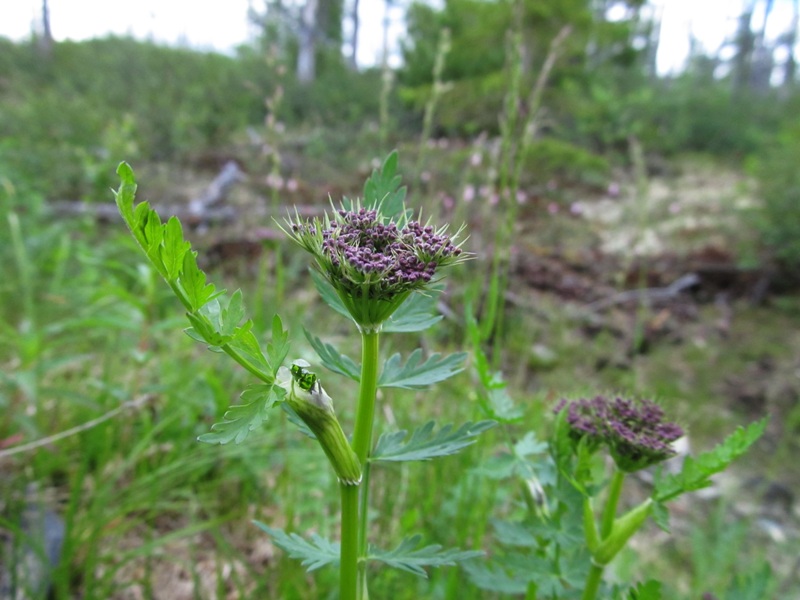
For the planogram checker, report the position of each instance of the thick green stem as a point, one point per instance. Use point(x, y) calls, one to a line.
point(592, 583)
point(365, 415)
point(348, 567)
point(353, 584)
point(610, 510)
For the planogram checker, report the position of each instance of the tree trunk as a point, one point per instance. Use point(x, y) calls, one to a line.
point(46, 42)
point(354, 38)
point(306, 54)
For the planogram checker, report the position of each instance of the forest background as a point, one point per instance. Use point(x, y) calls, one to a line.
point(633, 231)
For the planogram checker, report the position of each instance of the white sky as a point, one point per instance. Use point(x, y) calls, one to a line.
point(223, 25)
point(203, 24)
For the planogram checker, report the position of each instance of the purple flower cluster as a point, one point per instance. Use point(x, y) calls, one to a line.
point(362, 249)
point(634, 431)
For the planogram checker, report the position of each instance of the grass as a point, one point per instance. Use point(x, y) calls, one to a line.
point(149, 512)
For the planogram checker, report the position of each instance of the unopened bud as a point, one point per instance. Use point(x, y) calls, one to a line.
point(313, 405)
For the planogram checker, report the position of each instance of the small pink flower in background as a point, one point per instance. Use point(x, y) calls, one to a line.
point(425, 176)
point(576, 208)
point(476, 159)
point(494, 199)
point(292, 185)
point(447, 202)
point(522, 197)
point(275, 181)
point(484, 191)
point(552, 208)
point(613, 189)
point(469, 193)
point(674, 208)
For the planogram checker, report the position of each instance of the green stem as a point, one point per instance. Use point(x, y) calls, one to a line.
point(348, 566)
point(592, 583)
point(353, 584)
point(610, 510)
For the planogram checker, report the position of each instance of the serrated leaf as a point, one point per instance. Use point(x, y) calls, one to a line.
point(241, 419)
point(174, 248)
point(193, 282)
point(313, 554)
point(332, 359)
point(425, 444)
point(278, 347)
point(696, 473)
point(328, 294)
point(417, 313)
point(408, 557)
point(417, 375)
point(383, 188)
point(246, 345)
point(232, 314)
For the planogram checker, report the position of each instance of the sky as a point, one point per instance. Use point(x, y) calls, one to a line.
point(207, 26)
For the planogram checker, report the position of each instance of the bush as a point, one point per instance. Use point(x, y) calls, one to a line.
point(778, 218)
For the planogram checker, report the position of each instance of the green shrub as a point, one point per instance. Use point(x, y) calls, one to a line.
point(778, 217)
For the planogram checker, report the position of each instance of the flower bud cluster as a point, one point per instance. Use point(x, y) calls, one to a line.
point(369, 258)
point(635, 432)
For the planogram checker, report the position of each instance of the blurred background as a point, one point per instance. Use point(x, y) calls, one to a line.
point(628, 174)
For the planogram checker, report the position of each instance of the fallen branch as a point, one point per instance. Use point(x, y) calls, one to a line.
point(132, 404)
point(204, 209)
point(648, 294)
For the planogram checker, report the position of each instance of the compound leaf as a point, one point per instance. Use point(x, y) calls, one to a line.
point(408, 557)
point(417, 375)
point(697, 472)
point(241, 419)
point(425, 444)
point(332, 359)
point(313, 554)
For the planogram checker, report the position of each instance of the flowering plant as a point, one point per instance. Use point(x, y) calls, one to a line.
point(375, 265)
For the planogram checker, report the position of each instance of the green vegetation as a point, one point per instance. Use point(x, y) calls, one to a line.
point(603, 179)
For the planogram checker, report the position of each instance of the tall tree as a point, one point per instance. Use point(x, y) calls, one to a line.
point(307, 43)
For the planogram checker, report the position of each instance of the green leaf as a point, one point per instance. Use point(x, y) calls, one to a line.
point(750, 587)
point(174, 249)
point(660, 515)
point(496, 401)
point(193, 282)
point(332, 360)
point(278, 347)
point(425, 444)
point(126, 193)
point(328, 294)
point(510, 575)
point(241, 419)
point(417, 313)
point(696, 473)
point(408, 557)
point(417, 375)
point(517, 463)
point(246, 345)
point(383, 188)
point(649, 590)
point(313, 554)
